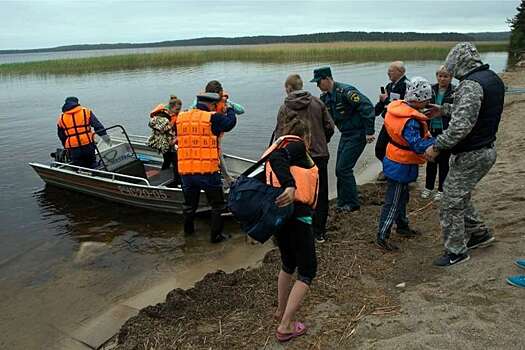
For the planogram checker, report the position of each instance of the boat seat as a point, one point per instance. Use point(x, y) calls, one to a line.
point(132, 168)
point(159, 177)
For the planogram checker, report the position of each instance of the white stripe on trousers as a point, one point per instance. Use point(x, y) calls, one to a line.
point(391, 214)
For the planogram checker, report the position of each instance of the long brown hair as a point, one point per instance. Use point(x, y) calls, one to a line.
point(298, 127)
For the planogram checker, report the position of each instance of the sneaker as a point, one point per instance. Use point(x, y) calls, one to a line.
point(517, 281)
point(406, 232)
point(480, 242)
point(385, 245)
point(426, 193)
point(320, 238)
point(449, 259)
point(438, 196)
point(520, 263)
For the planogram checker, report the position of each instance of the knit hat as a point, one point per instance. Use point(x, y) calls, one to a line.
point(418, 90)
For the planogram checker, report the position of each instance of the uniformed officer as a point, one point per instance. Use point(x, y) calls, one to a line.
point(354, 116)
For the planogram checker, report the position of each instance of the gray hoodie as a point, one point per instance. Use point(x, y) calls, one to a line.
point(311, 109)
point(462, 59)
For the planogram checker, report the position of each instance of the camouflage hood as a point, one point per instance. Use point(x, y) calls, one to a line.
point(462, 59)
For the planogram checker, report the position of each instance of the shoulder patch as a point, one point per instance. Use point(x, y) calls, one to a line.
point(354, 97)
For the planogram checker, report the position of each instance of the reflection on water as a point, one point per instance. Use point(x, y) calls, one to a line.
point(88, 219)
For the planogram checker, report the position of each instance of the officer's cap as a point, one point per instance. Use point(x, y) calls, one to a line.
point(208, 97)
point(321, 73)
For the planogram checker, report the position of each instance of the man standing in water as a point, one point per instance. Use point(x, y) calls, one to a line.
point(353, 114)
point(302, 105)
point(475, 116)
point(198, 131)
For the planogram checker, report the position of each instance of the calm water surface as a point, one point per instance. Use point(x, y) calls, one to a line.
point(43, 231)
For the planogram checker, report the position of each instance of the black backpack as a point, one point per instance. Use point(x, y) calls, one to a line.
point(252, 203)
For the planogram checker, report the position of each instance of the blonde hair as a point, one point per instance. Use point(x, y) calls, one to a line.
point(443, 69)
point(294, 82)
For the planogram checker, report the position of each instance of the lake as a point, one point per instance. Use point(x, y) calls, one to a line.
point(64, 256)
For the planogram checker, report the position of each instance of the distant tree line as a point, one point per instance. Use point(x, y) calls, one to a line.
point(275, 39)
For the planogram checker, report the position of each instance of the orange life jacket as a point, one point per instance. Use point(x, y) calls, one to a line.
point(76, 124)
point(198, 151)
point(161, 108)
point(306, 179)
point(397, 115)
point(221, 105)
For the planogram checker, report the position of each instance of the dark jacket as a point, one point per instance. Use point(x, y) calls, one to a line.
point(312, 110)
point(449, 98)
point(483, 133)
point(399, 87)
point(352, 111)
point(94, 123)
point(220, 122)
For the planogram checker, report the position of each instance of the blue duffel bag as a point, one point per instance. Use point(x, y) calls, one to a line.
point(252, 203)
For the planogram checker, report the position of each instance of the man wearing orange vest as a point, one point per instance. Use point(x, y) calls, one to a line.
point(409, 138)
point(76, 128)
point(198, 130)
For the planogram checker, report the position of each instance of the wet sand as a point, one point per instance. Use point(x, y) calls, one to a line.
point(354, 303)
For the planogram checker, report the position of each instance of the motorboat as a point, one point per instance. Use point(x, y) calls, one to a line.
point(128, 172)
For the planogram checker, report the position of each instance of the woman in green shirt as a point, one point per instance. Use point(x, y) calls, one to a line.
point(443, 92)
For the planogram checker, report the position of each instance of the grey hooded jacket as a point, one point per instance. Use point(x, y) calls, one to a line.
point(468, 96)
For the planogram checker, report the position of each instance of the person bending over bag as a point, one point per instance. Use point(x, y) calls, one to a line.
point(291, 167)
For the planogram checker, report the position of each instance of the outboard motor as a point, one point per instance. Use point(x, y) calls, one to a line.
point(61, 155)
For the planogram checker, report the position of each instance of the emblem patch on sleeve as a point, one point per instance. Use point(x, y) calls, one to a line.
point(354, 97)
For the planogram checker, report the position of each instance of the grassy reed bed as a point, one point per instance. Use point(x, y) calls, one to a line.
point(275, 53)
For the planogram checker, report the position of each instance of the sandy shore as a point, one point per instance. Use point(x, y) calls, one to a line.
point(354, 302)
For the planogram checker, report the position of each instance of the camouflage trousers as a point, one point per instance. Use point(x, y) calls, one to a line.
point(459, 219)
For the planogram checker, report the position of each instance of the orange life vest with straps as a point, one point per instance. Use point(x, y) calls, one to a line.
point(198, 151)
point(397, 149)
point(77, 126)
point(221, 105)
point(306, 179)
point(161, 108)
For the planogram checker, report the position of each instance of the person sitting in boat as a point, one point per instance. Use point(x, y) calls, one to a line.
point(198, 130)
point(162, 122)
point(76, 128)
point(215, 86)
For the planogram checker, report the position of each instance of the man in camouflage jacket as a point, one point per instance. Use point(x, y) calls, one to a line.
point(475, 115)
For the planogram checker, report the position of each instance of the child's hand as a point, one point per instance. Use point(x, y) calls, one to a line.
point(286, 198)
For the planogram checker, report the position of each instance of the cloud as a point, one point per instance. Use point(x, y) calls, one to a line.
point(30, 24)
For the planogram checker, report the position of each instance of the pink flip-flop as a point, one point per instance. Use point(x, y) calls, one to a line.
point(299, 329)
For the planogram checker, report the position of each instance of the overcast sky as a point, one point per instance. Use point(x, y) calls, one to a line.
point(36, 24)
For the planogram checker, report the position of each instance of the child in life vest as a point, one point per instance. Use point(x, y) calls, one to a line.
point(291, 167)
point(163, 138)
point(409, 138)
